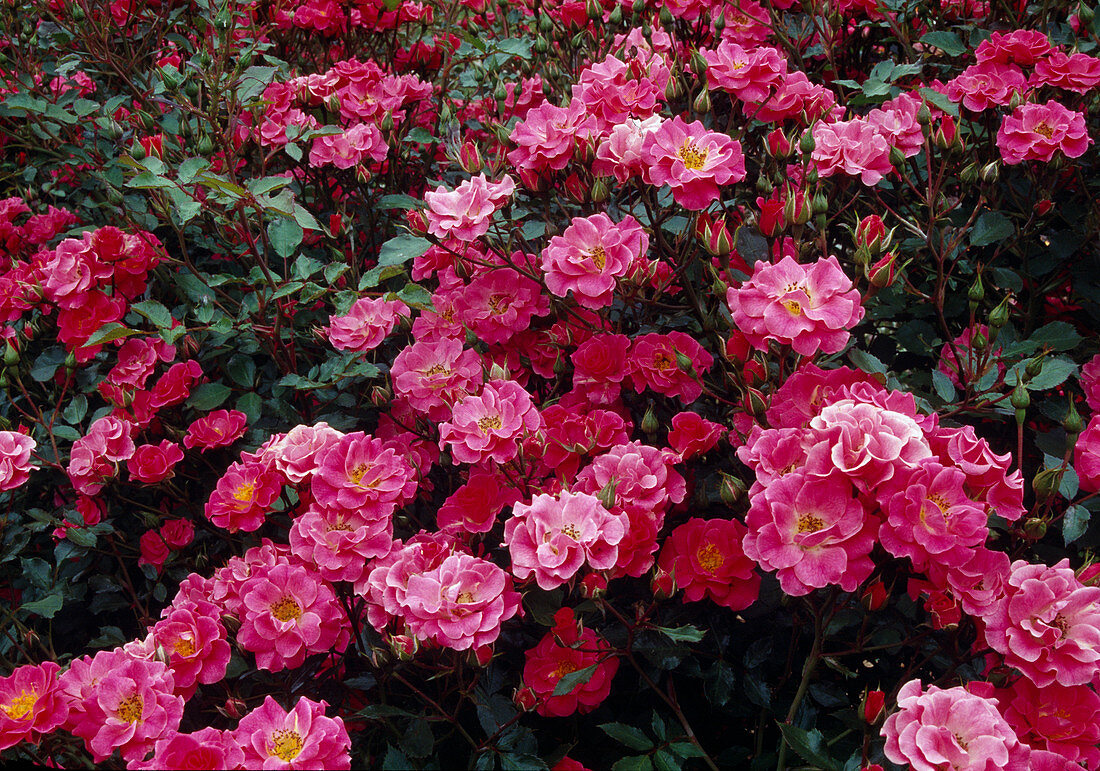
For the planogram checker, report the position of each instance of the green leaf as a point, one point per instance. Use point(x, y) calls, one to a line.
point(937, 99)
point(633, 763)
point(418, 741)
point(401, 249)
point(810, 745)
point(47, 363)
point(1075, 523)
point(686, 633)
point(663, 760)
point(1057, 335)
point(305, 219)
point(866, 361)
point(47, 607)
point(1055, 371)
point(945, 389)
point(155, 312)
point(76, 409)
point(190, 167)
point(286, 235)
point(415, 296)
point(629, 735)
point(253, 81)
point(401, 201)
point(108, 332)
point(37, 571)
point(573, 680)
point(267, 184)
point(948, 42)
point(991, 227)
point(209, 396)
point(251, 405)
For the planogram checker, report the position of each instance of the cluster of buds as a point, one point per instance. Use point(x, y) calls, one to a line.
point(714, 235)
point(873, 251)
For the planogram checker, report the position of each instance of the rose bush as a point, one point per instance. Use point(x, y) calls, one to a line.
point(606, 384)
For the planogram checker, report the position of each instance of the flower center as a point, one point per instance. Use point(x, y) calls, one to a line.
point(793, 306)
point(20, 706)
point(436, 369)
point(465, 597)
point(286, 745)
point(808, 523)
point(1044, 129)
point(183, 646)
point(286, 609)
point(564, 668)
point(490, 423)
point(662, 360)
point(599, 257)
point(498, 304)
point(357, 473)
point(244, 492)
point(572, 531)
point(710, 557)
point(339, 524)
point(692, 156)
point(129, 709)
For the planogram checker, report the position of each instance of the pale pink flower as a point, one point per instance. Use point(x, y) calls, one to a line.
point(938, 729)
point(120, 702)
point(1047, 624)
point(854, 147)
point(15, 457)
point(896, 120)
point(813, 531)
point(461, 603)
point(621, 151)
point(1090, 382)
point(365, 325)
point(692, 161)
point(303, 738)
point(548, 135)
point(1034, 132)
point(288, 612)
point(295, 456)
point(590, 255)
point(988, 479)
point(466, 212)
point(349, 148)
point(811, 308)
point(435, 375)
point(490, 424)
point(554, 536)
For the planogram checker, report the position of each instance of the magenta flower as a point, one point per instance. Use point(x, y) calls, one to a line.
point(1047, 625)
point(749, 74)
point(656, 362)
point(704, 557)
point(365, 325)
point(854, 147)
point(1034, 132)
point(361, 472)
point(986, 84)
point(811, 308)
point(813, 531)
point(553, 537)
point(242, 496)
point(31, 704)
point(466, 212)
point(435, 375)
point(938, 729)
point(692, 161)
point(1075, 72)
point(220, 428)
point(196, 644)
point(204, 749)
point(590, 255)
point(15, 457)
point(338, 542)
point(1086, 456)
point(490, 424)
point(303, 738)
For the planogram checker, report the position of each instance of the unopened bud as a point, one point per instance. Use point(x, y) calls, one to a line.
point(778, 145)
point(755, 402)
point(976, 293)
point(884, 272)
point(924, 115)
point(1020, 398)
point(732, 489)
point(662, 584)
point(897, 157)
point(11, 355)
point(673, 89)
point(807, 144)
point(1034, 367)
point(542, 45)
point(1072, 422)
point(820, 204)
point(874, 706)
point(874, 595)
point(1035, 528)
point(969, 174)
point(593, 585)
point(990, 172)
point(998, 317)
point(616, 16)
point(607, 494)
point(650, 424)
point(600, 191)
point(469, 157)
point(701, 105)
point(525, 699)
point(666, 16)
point(979, 342)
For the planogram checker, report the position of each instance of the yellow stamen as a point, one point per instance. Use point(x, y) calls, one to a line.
point(20, 706)
point(599, 257)
point(129, 709)
point(710, 557)
point(808, 523)
point(692, 156)
point(286, 745)
point(286, 609)
point(490, 422)
point(244, 492)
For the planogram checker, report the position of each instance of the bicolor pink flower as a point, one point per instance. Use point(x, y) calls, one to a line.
point(220, 428)
point(1034, 132)
point(978, 583)
point(988, 479)
point(120, 703)
point(749, 74)
point(303, 738)
point(224, 589)
point(287, 613)
point(813, 531)
point(359, 472)
point(554, 536)
point(896, 120)
point(656, 363)
point(31, 704)
point(349, 148)
point(704, 557)
point(811, 308)
point(642, 477)
point(15, 457)
point(295, 455)
point(986, 84)
point(385, 586)
point(620, 154)
point(929, 517)
point(202, 750)
point(461, 603)
point(854, 147)
point(242, 496)
point(490, 424)
point(111, 438)
point(796, 98)
point(499, 304)
point(565, 649)
point(548, 135)
point(338, 542)
point(692, 161)
point(615, 90)
point(435, 375)
point(1090, 382)
point(1047, 625)
point(590, 255)
point(366, 324)
point(951, 728)
point(465, 213)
